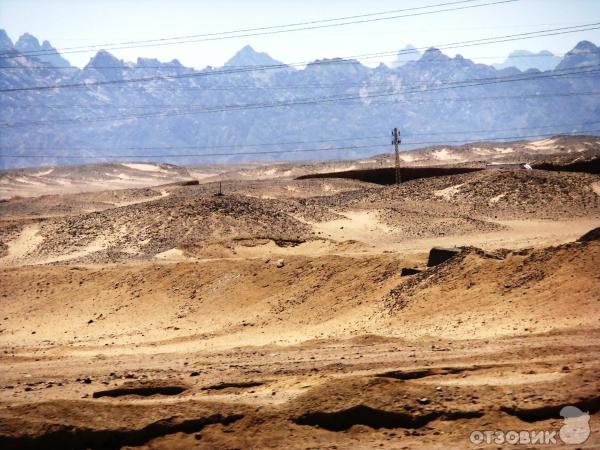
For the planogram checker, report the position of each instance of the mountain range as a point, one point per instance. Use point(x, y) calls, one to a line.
point(112, 109)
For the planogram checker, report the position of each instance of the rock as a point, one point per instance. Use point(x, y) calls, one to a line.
point(423, 401)
point(195, 373)
point(279, 263)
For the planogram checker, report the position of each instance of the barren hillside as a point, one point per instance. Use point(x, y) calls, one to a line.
point(171, 317)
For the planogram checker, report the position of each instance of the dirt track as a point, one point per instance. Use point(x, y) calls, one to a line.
point(276, 316)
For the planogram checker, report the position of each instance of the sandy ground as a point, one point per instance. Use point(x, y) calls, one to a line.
point(91, 178)
point(171, 318)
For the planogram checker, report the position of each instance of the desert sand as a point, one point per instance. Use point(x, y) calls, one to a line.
point(276, 316)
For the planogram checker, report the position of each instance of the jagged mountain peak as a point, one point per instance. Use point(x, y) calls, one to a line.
point(247, 56)
point(104, 59)
point(27, 43)
point(433, 54)
point(585, 53)
point(156, 66)
point(336, 67)
point(584, 46)
point(148, 62)
point(5, 42)
point(105, 66)
point(151, 63)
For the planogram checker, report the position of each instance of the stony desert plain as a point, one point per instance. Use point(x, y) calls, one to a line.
point(141, 310)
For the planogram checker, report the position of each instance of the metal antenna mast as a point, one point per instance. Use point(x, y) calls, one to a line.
point(396, 142)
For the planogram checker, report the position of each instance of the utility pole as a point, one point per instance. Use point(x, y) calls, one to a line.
point(396, 143)
point(220, 193)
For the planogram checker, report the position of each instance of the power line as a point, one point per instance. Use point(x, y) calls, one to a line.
point(320, 141)
point(166, 66)
point(246, 29)
point(580, 124)
point(434, 100)
point(271, 144)
point(245, 87)
point(272, 152)
point(503, 138)
point(271, 30)
point(243, 69)
point(312, 101)
point(407, 134)
point(484, 99)
point(252, 29)
point(318, 100)
point(191, 155)
point(299, 86)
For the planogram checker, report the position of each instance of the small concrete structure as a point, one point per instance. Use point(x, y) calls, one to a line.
point(438, 255)
point(496, 166)
point(592, 235)
point(410, 271)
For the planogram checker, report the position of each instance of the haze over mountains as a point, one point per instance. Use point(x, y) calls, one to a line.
point(430, 97)
point(407, 54)
point(524, 60)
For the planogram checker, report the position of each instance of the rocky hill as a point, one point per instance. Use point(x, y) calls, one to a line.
point(515, 194)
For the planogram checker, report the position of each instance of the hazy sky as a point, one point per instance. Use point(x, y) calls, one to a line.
point(68, 23)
